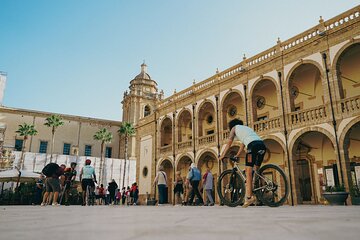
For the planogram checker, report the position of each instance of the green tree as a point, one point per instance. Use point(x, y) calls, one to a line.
point(126, 130)
point(104, 136)
point(54, 121)
point(25, 130)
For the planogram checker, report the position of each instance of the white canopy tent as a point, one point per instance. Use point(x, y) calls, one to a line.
point(13, 176)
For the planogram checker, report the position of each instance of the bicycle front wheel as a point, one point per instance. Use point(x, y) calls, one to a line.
point(231, 188)
point(271, 186)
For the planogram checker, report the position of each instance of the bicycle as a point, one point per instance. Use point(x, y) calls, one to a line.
point(270, 185)
point(89, 197)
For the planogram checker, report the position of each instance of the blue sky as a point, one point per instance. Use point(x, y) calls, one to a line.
point(78, 56)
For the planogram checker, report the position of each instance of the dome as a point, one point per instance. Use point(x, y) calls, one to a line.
point(143, 74)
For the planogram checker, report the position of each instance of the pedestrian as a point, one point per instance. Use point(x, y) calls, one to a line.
point(194, 176)
point(255, 152)
point(179, 188)
point(107, 195)
point(135, 193)
point(127, 193)
point(102, 194)
point(52, 171)
point(118, 197)
point(123, 196)
point(39, 187)
point(112, 188)
point(161, 180)
point(208, 183)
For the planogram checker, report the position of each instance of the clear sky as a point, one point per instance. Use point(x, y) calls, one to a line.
point(78, 56)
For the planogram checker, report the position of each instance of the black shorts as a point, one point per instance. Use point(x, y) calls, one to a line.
point(87, 182)
point(255, 153)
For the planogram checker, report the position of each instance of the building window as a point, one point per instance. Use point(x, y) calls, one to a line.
point(66, 149)
point(43, 147)
point(147, 111)
point(108, 152)
point(18, 144)
point(87, 150)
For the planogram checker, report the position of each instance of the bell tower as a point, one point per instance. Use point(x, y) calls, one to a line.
point(139, 101)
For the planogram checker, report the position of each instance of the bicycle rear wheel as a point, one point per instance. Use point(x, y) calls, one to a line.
point(271, 187)
point(88, 197)
point(231, 188)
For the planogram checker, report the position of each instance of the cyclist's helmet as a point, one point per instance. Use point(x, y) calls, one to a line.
point(73, 164)
point(87, 162)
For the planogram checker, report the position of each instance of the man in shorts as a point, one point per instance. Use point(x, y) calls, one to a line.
point(87, 178)
point(254, 154)
point(52, 185)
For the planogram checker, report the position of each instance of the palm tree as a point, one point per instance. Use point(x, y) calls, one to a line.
point(126, 130)
point(104, 136)
point(25, 130)
point(53, 121)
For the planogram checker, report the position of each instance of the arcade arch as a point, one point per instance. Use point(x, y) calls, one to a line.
point(314, 166)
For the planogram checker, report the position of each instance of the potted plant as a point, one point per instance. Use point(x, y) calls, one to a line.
point(336, 195)
point(355, 195)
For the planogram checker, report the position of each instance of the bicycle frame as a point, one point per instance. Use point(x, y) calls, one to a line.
point(256, 176)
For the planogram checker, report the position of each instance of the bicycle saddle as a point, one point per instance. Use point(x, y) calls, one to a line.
point(234, 159)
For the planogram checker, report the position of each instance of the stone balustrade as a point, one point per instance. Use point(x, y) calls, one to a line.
point(350, 105)
point(186, 144)
point(308, 116)
point(267, 125)
point(165, 149)
point(226, 134)
point(207, 139)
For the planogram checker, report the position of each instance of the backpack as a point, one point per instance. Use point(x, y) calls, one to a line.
point(50, 169)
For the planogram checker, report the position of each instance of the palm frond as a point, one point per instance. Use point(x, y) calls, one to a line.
point(54, 121)
point(27, 130)
point(103, 135)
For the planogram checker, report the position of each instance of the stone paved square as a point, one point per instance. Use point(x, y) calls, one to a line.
point(168, 222)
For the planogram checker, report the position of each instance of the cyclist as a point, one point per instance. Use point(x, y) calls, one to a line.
point(70, 175)
point(254, 154)
point(87, 178)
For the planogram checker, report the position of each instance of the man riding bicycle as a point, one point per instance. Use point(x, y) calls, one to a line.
point(87, 178)
point(254, 154)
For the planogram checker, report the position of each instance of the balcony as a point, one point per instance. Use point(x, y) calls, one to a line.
point(207, 139)
point(165, 149)
point(350, 105)
point(308, 116)
point(265, 126)
point(184, 145)
point(225, 134)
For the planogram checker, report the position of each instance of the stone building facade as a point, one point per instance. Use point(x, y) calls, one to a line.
point(302, 96)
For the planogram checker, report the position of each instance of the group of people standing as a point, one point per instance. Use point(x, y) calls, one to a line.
point(112, 195)
point(57, 181)
point(185, 191)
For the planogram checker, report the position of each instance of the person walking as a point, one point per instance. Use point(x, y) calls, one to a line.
point(179, 188)
point(112, 188)
point(123, 196)
point(161, 180)
point(254, 155)
point(208, 183)
point(194, 176)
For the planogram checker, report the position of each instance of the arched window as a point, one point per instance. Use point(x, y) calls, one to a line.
point(147, 111)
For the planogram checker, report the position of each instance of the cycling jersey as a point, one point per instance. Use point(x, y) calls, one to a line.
point(88, 172)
